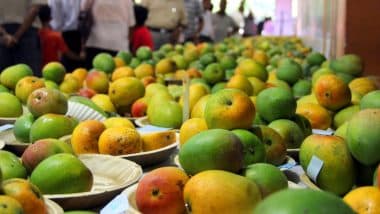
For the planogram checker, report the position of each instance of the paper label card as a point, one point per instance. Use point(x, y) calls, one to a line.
point(6, 127)
point(323, 132)
point(118, 205)
point(150, 128)
point(314, 168)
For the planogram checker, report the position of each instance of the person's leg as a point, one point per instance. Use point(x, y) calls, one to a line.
point(160, 38)
point(28, 51)
point(156, 39)
point(6, 54)
point(5, 57)
point(73, 42)
point(205, 39)
point(90, 54)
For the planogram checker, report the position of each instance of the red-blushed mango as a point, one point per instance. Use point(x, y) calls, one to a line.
point(27, 194)
point(161, 191)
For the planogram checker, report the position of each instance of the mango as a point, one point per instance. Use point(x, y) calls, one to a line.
point(309, 201)
point(337, 162)
point(51, 126)
point(11, 166)
point(62, 173)
point(212, 149)
point(217, 191)
point(42, 149)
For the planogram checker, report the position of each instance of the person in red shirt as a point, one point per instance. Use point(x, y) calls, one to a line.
point(52, 43)
point(141, 35)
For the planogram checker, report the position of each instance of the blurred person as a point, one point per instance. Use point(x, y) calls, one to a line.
point(238, 17)
point(111, 29)
point(5, 38)
point(141, 35)
point(65, 14)
point(224, 25)
point(194, 20)
point(260, 25)
point(207, 32)
point(52, 43)
point(268, 28)
point(250, 28)
point(165, 20)
point(18, 26)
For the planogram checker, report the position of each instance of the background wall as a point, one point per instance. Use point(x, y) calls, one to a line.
point(342, 26)
point(363, 32)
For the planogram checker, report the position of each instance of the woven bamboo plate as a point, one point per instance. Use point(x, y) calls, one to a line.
point(111, 176)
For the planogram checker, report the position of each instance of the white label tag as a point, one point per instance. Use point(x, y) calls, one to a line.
point(118, 205)
point(323, 132)
point(150, 128)
point(6, 127)
point(314, 168)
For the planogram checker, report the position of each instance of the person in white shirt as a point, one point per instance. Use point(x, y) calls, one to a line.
point(224, 25)
point(238, 17)
point(113, 22)
point(207, 32)
point(65, 14)
point(250, 28)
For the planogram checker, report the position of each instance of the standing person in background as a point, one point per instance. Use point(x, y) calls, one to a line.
point(194, 20)
point(207, 33)
point(18, 25)
point(250, 28)
point(52, 42)
point(65, 14)
point(141, 35)
point(165, 20)
point(111, 30)
point(238, 17)
point(260, 25)
point(224, 25)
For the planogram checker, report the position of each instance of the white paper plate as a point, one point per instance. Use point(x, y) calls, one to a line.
point(7, 120)
point(2, 144)
point(144, 158)
point(83, 112)
point(130, 192)
point(11, 143)
point(52, 207)
point(142, 121)
point(152, 157)
point(111, 176)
